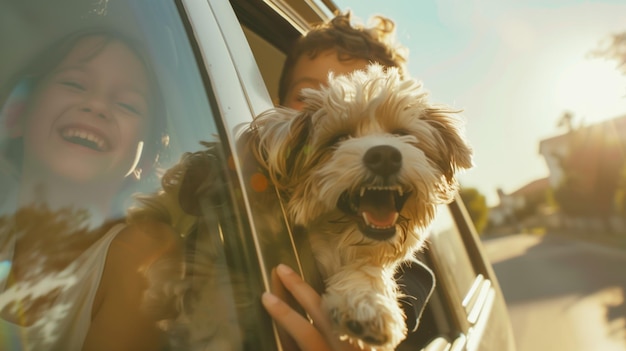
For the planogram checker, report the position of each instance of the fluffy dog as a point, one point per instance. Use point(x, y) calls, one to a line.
point(362, 169)
point(211, 292)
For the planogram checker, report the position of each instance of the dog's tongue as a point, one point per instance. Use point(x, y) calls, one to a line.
point(379, 208)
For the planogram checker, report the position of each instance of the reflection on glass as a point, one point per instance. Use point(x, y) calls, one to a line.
point(447, 242)
point(85, 125)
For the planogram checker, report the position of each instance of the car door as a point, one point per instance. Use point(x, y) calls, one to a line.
point(210, 86)
point(214, 80)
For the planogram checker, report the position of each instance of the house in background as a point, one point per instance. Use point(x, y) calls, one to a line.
point(521, 209)
point(586, 171)
point(587, 168)
point(557, 148)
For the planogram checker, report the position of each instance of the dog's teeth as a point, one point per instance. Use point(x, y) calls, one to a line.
point(362, 192)
point(365, 218)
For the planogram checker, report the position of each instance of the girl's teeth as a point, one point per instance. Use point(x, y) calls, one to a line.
point(85, 135)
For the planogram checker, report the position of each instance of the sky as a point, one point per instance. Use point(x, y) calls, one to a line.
point(513, 67)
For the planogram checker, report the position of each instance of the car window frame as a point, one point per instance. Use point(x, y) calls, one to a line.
point(238, 101)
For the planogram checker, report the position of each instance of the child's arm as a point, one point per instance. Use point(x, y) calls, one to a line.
point(144, 257)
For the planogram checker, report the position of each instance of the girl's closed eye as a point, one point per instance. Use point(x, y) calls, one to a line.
point(131, 104)
point(129, 107)
point(73, 79)
point(73, 84)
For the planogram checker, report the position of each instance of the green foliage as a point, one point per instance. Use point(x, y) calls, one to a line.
point(550, 200)
point(620, 193)
point(476, 205)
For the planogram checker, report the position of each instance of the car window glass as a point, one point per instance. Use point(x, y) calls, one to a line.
point(187, 116)
point(455, 265)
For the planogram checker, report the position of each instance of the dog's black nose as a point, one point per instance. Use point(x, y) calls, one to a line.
point(383, 160)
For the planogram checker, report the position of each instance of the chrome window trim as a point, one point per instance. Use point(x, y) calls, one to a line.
point(475, 333)
point(459, 343)
point(282, 8)
point(471, 296)
point(246, 70)
point(319, 11)
point(438, 344)
point(240, 94)
point(480, 301)
point(233, 103)
point(476, 298)
point(258, 100)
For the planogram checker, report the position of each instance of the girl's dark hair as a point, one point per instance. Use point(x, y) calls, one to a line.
point(373, 44)
point(46, 61)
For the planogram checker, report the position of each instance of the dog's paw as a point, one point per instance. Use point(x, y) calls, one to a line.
point(367, 318)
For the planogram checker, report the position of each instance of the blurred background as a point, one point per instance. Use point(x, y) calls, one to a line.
point(543, 89)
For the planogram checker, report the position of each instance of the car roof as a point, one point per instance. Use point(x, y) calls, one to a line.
point(280, 22)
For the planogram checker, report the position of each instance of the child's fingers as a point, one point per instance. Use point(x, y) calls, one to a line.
point(304, 333)
point(305, 295)
point(309, 299)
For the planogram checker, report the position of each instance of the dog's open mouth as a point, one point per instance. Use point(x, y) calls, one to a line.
point(376, 209)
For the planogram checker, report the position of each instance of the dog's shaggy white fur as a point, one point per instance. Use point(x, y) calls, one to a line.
point(362, 169)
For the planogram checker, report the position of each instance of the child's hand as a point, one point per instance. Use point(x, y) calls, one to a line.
point(308, 337)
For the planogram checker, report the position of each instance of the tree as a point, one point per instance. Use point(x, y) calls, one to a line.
point(592, 169)
point(614, 49)
point(476, 205)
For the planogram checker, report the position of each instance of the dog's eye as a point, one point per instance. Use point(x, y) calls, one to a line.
point(339, 138)
point(400, 132)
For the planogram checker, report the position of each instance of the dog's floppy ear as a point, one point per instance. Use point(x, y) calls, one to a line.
point(203, 181)
point(279, 136)
point(452, 150)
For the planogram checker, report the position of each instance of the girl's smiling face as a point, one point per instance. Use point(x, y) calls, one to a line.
point(87, 118)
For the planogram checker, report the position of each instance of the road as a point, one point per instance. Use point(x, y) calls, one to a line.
point(562, 294)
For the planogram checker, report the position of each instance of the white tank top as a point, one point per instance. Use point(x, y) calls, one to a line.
point(65, 325)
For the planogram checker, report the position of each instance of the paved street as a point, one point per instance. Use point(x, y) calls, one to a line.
point(563, 295)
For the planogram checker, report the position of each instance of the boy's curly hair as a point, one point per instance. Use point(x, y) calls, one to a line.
point(375, 44)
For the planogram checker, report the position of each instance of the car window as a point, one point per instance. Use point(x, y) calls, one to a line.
point(446, 242)
point(464, 295)
point(218, 244)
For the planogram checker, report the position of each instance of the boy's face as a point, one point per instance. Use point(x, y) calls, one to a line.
point(88, 116)
point(313, 73)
